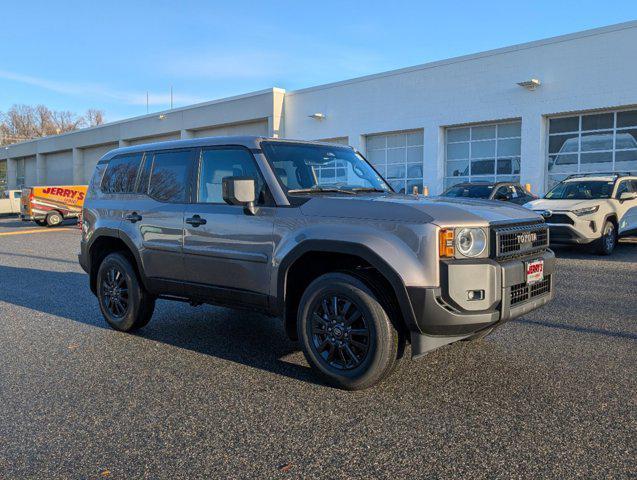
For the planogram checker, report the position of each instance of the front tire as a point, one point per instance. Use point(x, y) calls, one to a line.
point(125, 304)
point(606, 244)
point(346, 334)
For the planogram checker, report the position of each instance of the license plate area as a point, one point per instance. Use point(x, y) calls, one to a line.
point(534, 271)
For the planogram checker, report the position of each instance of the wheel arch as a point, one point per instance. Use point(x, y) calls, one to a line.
point(103, 244)
point(347, 252)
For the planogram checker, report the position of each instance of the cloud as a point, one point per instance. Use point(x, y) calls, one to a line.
point(100, 91)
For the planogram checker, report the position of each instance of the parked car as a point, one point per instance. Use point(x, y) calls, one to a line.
point(10, 202)
point(594, 209)
point(50, 205)
point(504, 191)
point(354, 269)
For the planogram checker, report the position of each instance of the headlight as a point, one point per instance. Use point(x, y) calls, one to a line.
point(585, 211)
point(471, 242)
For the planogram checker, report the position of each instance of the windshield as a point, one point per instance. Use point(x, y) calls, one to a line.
point(469, 191)
point(310, 167)
point(581, 190)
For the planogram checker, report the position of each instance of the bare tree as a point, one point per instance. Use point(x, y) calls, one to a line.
point(24, 122)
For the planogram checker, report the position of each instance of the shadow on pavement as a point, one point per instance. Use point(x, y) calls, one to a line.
point(238, 336)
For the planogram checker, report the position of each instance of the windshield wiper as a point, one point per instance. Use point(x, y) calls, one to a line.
point(321, 190)
point(368, 189)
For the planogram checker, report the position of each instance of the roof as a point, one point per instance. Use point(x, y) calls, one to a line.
point(248, 141)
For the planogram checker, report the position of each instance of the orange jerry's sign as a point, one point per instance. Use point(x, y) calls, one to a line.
point(71, 195)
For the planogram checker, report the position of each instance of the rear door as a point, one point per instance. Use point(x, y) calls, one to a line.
point(155, 218)
point(227, 251)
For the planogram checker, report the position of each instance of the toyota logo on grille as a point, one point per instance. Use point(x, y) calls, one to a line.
point(546, 213)
point(527, 237)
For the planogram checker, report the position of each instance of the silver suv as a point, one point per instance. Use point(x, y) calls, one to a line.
point(311, 233)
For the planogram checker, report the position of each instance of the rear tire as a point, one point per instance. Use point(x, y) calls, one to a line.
point(346, 334)
point(41, 223)
point(606, 244)
point(125, 304)
point(53, 219)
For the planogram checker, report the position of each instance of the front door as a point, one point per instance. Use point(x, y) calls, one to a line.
point(227, 250)
point(627, 210)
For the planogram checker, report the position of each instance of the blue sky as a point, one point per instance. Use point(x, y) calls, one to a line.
point(77, 55)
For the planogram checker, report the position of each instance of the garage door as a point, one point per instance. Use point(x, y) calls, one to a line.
point(91, 156)
point(252, 128)
point(399, 158)
point(59, 168)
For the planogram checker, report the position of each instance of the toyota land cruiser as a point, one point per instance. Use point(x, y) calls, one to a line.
point(311, 233)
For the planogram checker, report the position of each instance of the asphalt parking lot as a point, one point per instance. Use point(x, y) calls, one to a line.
point(212, 393)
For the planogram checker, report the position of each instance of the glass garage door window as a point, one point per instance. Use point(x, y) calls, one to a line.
point(333, 173)
point(599, 142)
point(489, 152)
point(398, 157)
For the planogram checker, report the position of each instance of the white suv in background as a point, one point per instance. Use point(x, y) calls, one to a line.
point(594, 208)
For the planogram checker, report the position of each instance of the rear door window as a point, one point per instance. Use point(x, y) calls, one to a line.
point(121, 174)
point(169, 176)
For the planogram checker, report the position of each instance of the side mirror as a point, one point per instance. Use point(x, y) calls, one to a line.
point(239, 191)
point(628, 196)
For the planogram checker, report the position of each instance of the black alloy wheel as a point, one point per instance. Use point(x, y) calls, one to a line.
point(115, 292)
point(340, 332)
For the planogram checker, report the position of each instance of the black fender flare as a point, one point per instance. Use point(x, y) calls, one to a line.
point(356, 249)
point(116, 235)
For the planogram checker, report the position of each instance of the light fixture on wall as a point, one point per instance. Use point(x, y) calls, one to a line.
point(318, 116)
point(162, 116)
point(530, 84)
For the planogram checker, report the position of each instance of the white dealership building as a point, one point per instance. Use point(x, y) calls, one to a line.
point(533, 112)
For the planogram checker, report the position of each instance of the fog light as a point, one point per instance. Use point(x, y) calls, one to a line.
point(475, 294)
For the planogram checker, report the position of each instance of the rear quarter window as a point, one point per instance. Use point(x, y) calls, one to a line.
point(121, 174)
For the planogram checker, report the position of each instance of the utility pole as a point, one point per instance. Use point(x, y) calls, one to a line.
point(171, 97)
point(146, 101)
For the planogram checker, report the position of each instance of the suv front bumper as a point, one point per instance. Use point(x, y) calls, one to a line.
point(445, 314)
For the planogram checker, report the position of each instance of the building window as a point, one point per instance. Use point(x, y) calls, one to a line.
point(599, 142)
point(489, 152)
point(399, 158)
point(20, 173)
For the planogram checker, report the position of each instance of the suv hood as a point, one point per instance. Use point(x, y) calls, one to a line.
point(416, 209)
point(562, 205)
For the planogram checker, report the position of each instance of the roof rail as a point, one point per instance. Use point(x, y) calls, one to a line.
point(599, 174)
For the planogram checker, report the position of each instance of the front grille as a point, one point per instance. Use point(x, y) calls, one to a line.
point(515, 240)
point(560, 218)
point(523, 292)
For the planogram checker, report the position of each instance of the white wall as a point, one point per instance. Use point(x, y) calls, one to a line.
point(259, 128)
point(578, 72)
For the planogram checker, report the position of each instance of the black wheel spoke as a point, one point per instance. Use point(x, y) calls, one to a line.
point(355, 316)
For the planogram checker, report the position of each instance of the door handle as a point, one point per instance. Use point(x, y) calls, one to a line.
point(133, 217)
point(196, 220)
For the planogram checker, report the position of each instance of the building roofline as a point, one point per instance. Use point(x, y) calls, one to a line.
point(154, 114)
point(475, 56)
